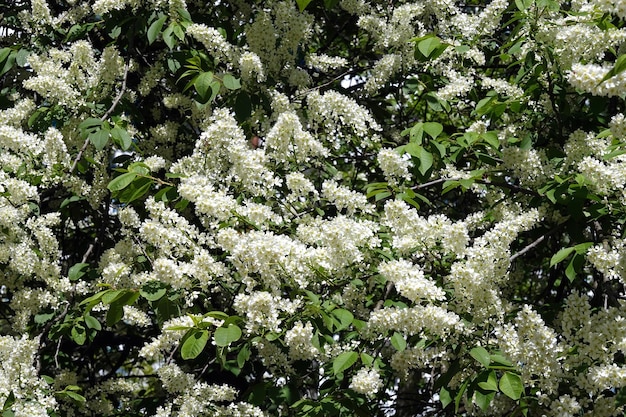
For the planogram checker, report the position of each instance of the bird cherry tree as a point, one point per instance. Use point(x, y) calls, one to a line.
point(312, 208)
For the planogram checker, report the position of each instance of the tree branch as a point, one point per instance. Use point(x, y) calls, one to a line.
point(104, 117)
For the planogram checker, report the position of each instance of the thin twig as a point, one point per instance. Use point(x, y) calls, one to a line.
point(535, 243)
point(104, 117)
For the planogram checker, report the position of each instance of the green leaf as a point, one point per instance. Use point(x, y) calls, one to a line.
point(433, 129)
point(74, 396)
point(78, 334)
point(398, 342)
point(121, 137)
point(115, 313)
point(122, 181)
point(445, 397)
point(77, 271)
point(344, 361)
point(523, 4)
point(243, 355)
point(481, 355)
point(619, 67)
point(574, 266)
point(426, 161)
point(483, 400)
point(488, 381)
point(92, 322)
point(21, 58)
point(99, 138)
point(155, 29)
point(302, 4)
point(344, 316)
point(231, 82)
point(561, 255)
point(136, 190)
point(428, 45)
point(459, 395)
point(224, 336)
point(194, 344)
point(511, 385)
point(202, 84)
point(153, 290)
point(168, 36)
point(9, 401)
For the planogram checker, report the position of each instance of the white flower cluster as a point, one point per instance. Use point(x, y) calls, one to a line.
point(325, 63)
point(587, 77)
point(276, 37)
point(223, 155)
point(288, 141)
point(262, 310)
point(410, 281)
point(267, 259)
point(340, 118)
point(344, 198)
point(477, 279)
point(415, 235)
point(339, 240)
point(19, 376)
point(617, 7)
point(429, 320)
point(529, 165)
point(251, 67)
point(394, 31)
point(367, 381)
point(298, 339)
point(212, 40)
point(533, 346)
point(394, 166)
point(383, 70)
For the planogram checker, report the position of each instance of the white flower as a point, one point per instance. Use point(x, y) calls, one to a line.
point(367, 382)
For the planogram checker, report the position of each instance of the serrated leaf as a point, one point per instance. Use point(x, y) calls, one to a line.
point(344, 361)
point(398, 342)
point(122, 181)
point(561, 255)
point(481, 355)
point(194, 344)
point(231, 82)
point(511, 385)
point(155, 29)
point(224, 336)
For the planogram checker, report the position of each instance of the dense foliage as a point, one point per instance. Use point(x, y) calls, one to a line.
point(312, 208)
